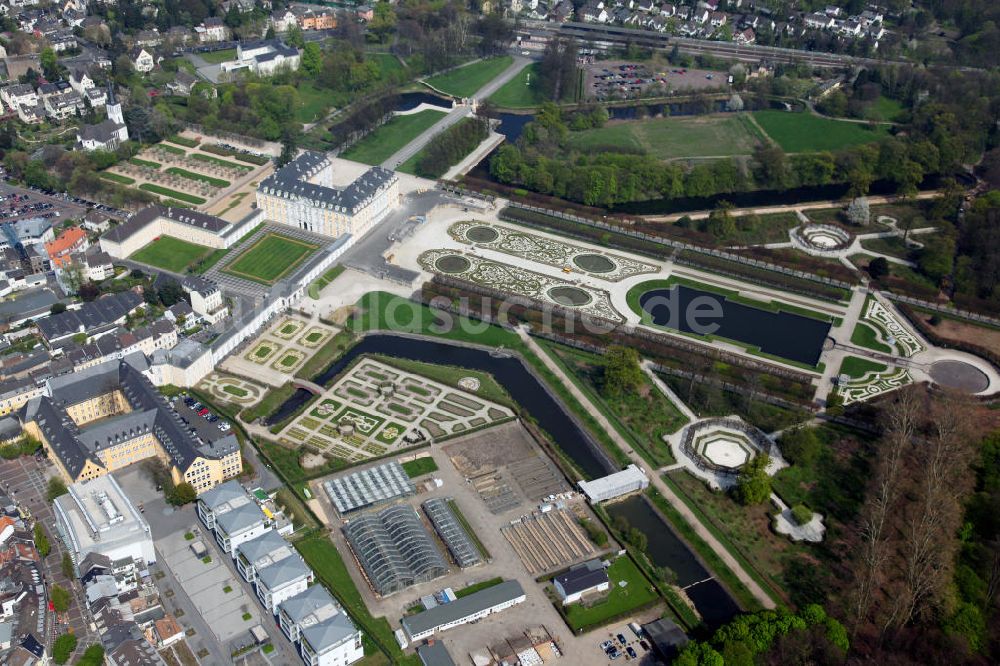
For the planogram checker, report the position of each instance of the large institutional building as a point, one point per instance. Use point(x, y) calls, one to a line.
point(188, 225)
point(96, 517)
point(301, 194)
point(110, 416)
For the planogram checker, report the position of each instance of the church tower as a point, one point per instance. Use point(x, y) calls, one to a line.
point(114, 107)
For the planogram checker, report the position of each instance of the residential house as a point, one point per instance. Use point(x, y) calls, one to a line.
point(316, 19)
point(47, 90)
point(700, 16)
point(747, 36)
point(179, 35)
point(182, 84)
point(594, 12)
point(148, 38)
point(80, 81)
point(212, 29)
point(282, 580)
point(583, 579)
point(97, 265)
point(97, 97)
point(97, 221)
point(63, 105)
point(717, 19)
point(849, 28)
point(19, 95)
point(364, 12)
point(817, 21)
point(141, 59)
point(283, 21)
point(832, 10)
point(65, 244)
point(62, 40)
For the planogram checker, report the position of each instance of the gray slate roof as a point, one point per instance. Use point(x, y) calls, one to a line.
point(270, 544)
point(284, 572)
point(148, 215)
point(240, 519)
point(90, 317)
point(307, 603)
point(329, 634)
point(291, 181)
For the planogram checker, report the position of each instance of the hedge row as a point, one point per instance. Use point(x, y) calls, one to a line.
point(622, 241)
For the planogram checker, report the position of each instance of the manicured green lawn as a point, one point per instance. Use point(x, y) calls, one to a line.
point(215, 57)
point(671, 138)
point(419, 467)
point(518, 93)
point(864, 336)
point(183, 141)
point(384, 142)
point(191, 175)
point(884, 108)
point(145, 163)
point(387, 63)
point(172, 149)
point(326, 278)
point(855, 367)
point(166, 191)
point(171, 254)
point(270, 259)
point(637, 593)
point(117, 178)
point(806, 133)
point(202, 157)
point(464, 81)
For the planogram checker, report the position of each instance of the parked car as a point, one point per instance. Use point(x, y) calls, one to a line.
point(631, 652)
point(203, 411)
point(621, 639)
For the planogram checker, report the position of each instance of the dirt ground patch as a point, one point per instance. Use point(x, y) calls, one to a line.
point(950, 329)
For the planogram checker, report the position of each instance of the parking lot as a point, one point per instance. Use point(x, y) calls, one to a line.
point(30, 203)
point(208, 430)
point(620, 79)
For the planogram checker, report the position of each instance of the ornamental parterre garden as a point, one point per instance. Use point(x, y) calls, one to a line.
point(375, 408)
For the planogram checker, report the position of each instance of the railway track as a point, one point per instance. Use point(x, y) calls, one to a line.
point(615, 36)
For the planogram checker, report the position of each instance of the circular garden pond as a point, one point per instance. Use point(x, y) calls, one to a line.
point(452, 263)
point(482, 234)
point(594, 263)
point(570, 296)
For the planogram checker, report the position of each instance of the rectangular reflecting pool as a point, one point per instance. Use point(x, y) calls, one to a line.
point(791, 336)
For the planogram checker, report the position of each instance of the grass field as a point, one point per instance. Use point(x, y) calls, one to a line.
point(183, 141)
point(117, 178)
point(171, 149)
point(145, 163)
point(884, 109)
point(671, 138)
point(806, 133)
point(636, 594)
point(855, 367)
point(215, 57)
point(518, 93)
point(864, 336)
point(464, 81)
point(381, 144)
point(326, 278)
point(270, 259)
point(202, 157)
point(419, 467)
point(174, 194)
point(191, 175)
point(171, 254)
point(313, 103)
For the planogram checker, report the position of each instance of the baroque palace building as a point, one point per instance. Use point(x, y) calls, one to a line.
point(301, 194)
point(110, 416)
